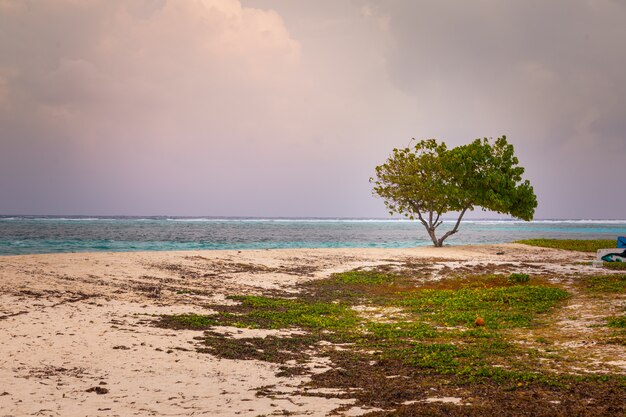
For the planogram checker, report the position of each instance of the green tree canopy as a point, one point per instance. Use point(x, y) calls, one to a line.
point(429, 180)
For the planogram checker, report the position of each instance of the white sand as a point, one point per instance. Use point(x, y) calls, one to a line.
point(70, 322)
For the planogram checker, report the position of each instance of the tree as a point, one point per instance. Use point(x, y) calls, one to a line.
point(429, 180)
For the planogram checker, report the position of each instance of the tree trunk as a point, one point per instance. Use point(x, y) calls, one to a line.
point(431, 229)
point(433, 237)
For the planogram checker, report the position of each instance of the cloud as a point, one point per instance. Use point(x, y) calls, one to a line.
point(549, 75)
point(532, 63)
point(150, 86)
point(187, 107)
point(170, 58)
point(4, 99)
point(284, 108)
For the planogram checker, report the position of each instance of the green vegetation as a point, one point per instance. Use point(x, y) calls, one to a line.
point(619, 322)
point(614, 265)
point(363, 277)
point(570, 244)
point(406, 336)
point(280, 313)
point(504, 307)
point(188, 321)
point(430, 180)
point(615, 283)
point(431, 328)
point(518, 278)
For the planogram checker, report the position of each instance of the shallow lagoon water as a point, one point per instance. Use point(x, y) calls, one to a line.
point(49, 234)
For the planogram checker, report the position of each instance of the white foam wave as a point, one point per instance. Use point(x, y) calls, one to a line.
point(343, 220)
point(311, 220)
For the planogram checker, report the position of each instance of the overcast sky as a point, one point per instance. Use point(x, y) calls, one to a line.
point(284, 107)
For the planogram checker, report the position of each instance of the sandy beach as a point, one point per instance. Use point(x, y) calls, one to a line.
point(299, 208)
point(76, 333)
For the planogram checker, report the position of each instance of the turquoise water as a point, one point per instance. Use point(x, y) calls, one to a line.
point(29, 234)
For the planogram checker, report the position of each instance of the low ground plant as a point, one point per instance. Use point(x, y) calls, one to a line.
point(614, 265)
point(611, 283)
point(571, 244)
point(405, 337)
point(519, 278)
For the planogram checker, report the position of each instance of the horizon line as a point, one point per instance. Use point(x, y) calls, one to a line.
point(167, 216)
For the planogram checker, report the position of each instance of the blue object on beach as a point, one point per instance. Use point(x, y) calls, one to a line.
point(621, 242)
point(615, 257)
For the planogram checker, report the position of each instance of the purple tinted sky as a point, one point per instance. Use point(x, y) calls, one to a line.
point(283, 108)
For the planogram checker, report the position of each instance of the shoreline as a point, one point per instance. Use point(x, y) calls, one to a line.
point(480, 248)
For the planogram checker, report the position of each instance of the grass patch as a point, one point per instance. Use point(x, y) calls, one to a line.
point(501, 307)
point(435, 329)
point(381, 333)
point(618, 322)
point(427, 340)
point(614, 283)
point(355, 287)
point(570, 244)
point(363, 278)
point(518, 278)
point(479, 281)
point(187, 321)
point(280, 313)
point(614, 265)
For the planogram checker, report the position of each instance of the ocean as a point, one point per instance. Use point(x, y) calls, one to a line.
point(52, 234)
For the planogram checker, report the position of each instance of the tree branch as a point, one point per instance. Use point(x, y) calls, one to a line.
point(456, 227)
point(419, 216)
point(416, 208)
point(429, 227)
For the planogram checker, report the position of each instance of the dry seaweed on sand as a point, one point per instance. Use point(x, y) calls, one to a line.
point(430, 349)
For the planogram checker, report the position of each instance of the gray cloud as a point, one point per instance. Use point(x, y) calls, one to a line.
point(550, 75)
point(212, 107)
